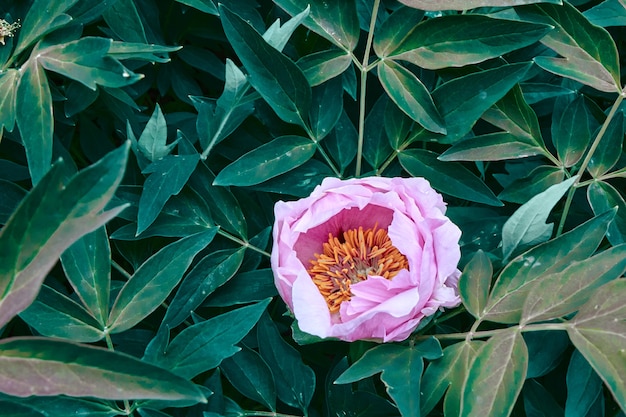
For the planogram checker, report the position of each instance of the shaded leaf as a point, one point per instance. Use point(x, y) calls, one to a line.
point(206, 6)
point(545, 351)
point(58, 406)
point(326, 108)
point(474, 283)
point(245, 287)
point(537, 181)
point(8, 88)
point(603, 196)
point(395, 30)
point(571, 134)
point(43, 17)
point(320, 67)
point(584, 389)
point(609, 150)
point(539, 402)
point(375, 145)
point(251, 376)
point(468, 4)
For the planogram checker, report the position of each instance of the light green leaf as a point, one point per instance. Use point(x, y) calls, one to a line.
point(411, 96)
point(154, 280)
point(608, 13)
point(395, 30)
point(141, 51)
point(267, 161)
point(537, 181)
point(603, 196)
point(55, 214)
point(204, 345)
point(320, 67)
point(474, 283)
point(275, 77)
point(278, 35)
point(432, 44)
point(490, 147)
point(48, 367)
point(527, 226)
point(609, 150)
point(335, 21)
point(43, 17)
point(251, 376)
point(34, 118)
point(207, 275)
point(599, 332)
point(8, 88)
point(448, 177)
point(152, 142)
point(468, 4)
point(511, 289)
point(168, 176)
point(496, 376)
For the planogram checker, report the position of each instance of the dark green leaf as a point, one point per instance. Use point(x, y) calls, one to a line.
point(58, 406)
point(206, 6)
point(408, 92)
point(527, 226)
point(474, 283)
point(490, 147)
point(584, 389)
point(38, 366)
point(375, 145)
point(12, 194)
point(448, 177)
point(326, 108)
point(321, 66)
point(599, 332)
point(395, 30)
point(208, 274)
point(243, 288)
point(536, 182)
point(545, 351)
point(33, 109)
point(203, 346)
point(295, 382)
point(496, 376)
point(8, 89)
point(572, 132)
point(154, 280)
point(43, 17)
point(468, 4)
point(607, 13)
point(603, 196)
point(267, 161)
point(609, 150)
point(277, 79)
point(538, 402)
point(251, 376)
point(168, 175)
point(125, 21)
point(141, 51)
point(473, 38)
point(335, 21)
point(514, 282)
point(342, 142)
point(49, 219)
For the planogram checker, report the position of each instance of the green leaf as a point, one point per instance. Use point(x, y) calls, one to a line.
point(397, 125)
point(511, 289)
point(375, 145)
point(85, 60)
point(251, 376)
point(608, 13)
point(12, 194)
point(125, 20)
point(342, 141)
point(599, 332)
point(207, 275)
point(154, 280)
point(395, 30)
point(320, 67)
point(8, 88)
point(152, 142)
point(411, 96)
point(43, 17)
point(401, 368)
point(436, 5)
point(537, 181)
point(561, 293)
point(538, 401)
point(447, 372)
point(203, 346)
point(55, 214)
point(584, 389)
point(278, 35)
point(448, 177)
point(33, 107)
point(572, 133)
point(474, 283)
point(295, 382)
point(206, 6)
point(462, 101)
point(244, 288)
point(141, 51)
point(496, 376)
point(609, 150)
point(84, 371)
point(326, 108)
point(588, 52)
point(58, 406)
point(545, 351)
point(168, 176)
point(267, 161)
point(335, 21)
point(527, 226)
point(490, 147)
point(475, 38)
point(275, 77)
point(603, 196)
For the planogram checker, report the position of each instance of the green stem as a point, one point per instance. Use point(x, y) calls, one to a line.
point(247, 245)
point(363, 89)
point(472, 334)
point(120, 269)
point(585, 163)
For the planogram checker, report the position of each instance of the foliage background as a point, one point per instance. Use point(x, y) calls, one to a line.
point(178, 124)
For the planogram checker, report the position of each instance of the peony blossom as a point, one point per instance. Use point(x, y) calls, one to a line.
point(366, 258)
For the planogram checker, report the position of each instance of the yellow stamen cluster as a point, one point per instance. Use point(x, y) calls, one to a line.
point(351, 260)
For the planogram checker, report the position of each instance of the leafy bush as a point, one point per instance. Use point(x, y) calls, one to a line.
point(179, 124)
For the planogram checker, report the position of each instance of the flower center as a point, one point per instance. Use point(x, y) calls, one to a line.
point(346, 261)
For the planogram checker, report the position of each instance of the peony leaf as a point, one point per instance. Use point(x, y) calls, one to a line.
point(514, 282)
point(496, 376)
point(38, 366)
point(205, 277)
point(608, 13)
point(58, 406)
point(545, 351)
point(43, 17)
point(267, 161)
point(203, 346)
point(206, 6)
point(585, 393)
point(527, 226)
point(599, 332)
point(448, 177)
point(275, 77)
point(326, 108)
point(561, 293)
point(468, 4)
point(474, 283)
point(152, 142)
point(8, 89)
point(154, 280)
point(295, 382)
point(376, 146)
point(609, 150)
point(537, 181)
point(431, 44)
point(395, 29)
point(571, 133)
point(243, 288)
point(603, 196)
point(539, 401)
point(49, 219)
point(322, 66)
point(490, 147)
point(410, 95)
point(342, 141)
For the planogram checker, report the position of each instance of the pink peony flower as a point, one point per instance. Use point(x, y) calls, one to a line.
point(366, 258)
